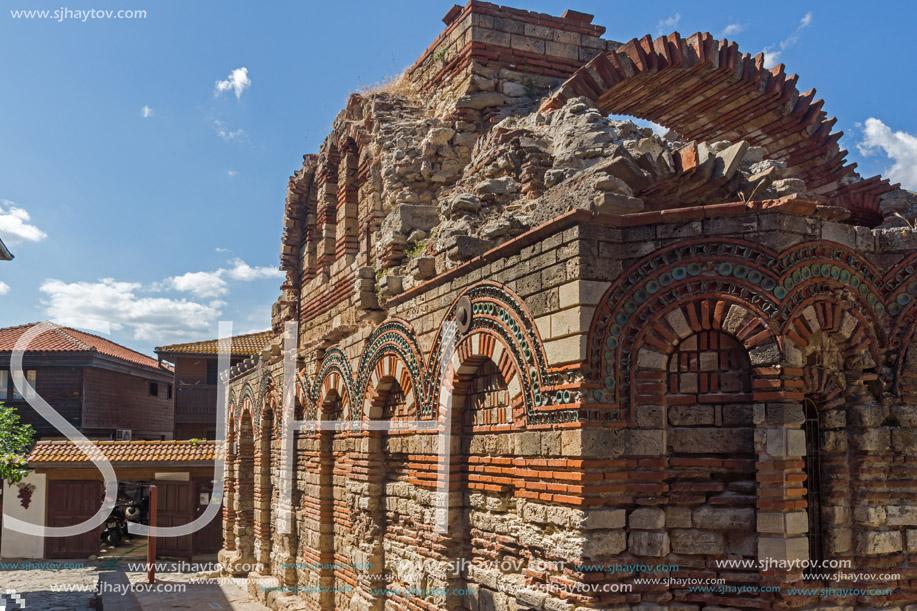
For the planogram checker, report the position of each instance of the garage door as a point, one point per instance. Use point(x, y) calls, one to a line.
point(176, 507)
point(71, 502)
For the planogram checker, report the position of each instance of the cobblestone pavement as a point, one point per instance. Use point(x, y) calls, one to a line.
point(227, 594)
point(34, 584)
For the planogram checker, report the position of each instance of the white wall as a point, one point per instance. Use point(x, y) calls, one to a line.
point(14, 544)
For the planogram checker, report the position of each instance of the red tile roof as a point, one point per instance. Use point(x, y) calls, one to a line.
point(242, 345)
point(66, 339)
point(123, 451)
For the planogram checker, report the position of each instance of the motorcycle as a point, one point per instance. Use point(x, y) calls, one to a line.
point(115, 527)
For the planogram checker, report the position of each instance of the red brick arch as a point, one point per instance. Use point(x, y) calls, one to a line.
point(854, 332)
point(705, 89)
point(473, 351)
point(656, 344)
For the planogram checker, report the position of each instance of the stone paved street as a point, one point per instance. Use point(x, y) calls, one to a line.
point(34, 585)
point(228, 594)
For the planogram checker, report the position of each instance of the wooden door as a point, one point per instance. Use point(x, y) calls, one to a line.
point(174, 508)
point(209, 539)
point(71, 502)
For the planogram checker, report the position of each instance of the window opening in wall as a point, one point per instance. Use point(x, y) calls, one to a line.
point(212, 372)
point(154, 389)
point(814, 498)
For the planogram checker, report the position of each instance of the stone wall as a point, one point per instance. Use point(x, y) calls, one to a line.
point(532, 346)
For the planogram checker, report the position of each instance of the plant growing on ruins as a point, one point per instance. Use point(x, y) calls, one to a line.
point(910, 224)
point(15, 442)
point(747, 198)
point(531, 86)
point(398, 85)
point(415, 249)
point(440, 54)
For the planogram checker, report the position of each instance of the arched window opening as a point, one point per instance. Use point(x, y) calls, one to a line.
point(814, 491)
point(710, 363)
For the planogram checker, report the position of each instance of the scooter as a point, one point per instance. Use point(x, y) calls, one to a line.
point(115, 527)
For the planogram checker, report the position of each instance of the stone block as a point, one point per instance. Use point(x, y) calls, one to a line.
point(696, 542)
point(873, 440)
point(700, 440)
point(765, 355)
point(691, 415)
point(785, 413)
point(645, 442)
point(528, 443)
point(873, 516)
point(678, 517)
point(795, 442)
point(901, 515)
point(582, 292)
point(905, 441)
point(912, 540)
point(839, 541)
point(678, 322)
point(650, 359)
point(738, 415)
point(724, 519)
point(783, 549)
point(866, 416)
point(616, 203)
point(646, 518)
point(571, 321)
point(797, 523)
point(646, 543)
point(570, 349)
point(879, 542)
point(650, 416)
point(603, 544)
point(769, 522)
point(906, 415)
point(608, 519)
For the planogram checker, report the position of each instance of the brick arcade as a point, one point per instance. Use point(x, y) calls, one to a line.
point(677, 350)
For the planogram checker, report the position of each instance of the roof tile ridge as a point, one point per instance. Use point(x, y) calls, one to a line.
point(62, 332)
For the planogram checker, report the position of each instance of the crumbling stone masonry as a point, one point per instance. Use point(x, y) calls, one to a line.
point(669, 350)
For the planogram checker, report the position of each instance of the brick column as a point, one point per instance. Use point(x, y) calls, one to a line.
point(782, 521)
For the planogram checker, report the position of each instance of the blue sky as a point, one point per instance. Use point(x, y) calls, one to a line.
point(134, 187)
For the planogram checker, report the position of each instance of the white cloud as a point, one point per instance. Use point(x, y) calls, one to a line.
point(157, 318)
point(243, 271)
point(900, 147)
point(773, 53)
point(202, 284)
point(225, 133)
point(4, 288)
point(153, 319)
point(213, 284)
point(733, 28)
point(231, 172)
point(146, 112)
point(14, 224)
point(671, 23)
point(237, 81)
point(218, 249)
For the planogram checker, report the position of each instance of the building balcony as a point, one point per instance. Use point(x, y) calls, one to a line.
point(195, 403)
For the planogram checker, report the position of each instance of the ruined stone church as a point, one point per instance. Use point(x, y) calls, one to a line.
point(663, 367)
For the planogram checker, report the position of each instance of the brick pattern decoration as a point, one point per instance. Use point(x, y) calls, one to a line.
point(630, 388)
point(501, 36)
point(244, 492)
point(706, 90)
point(708, 363)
